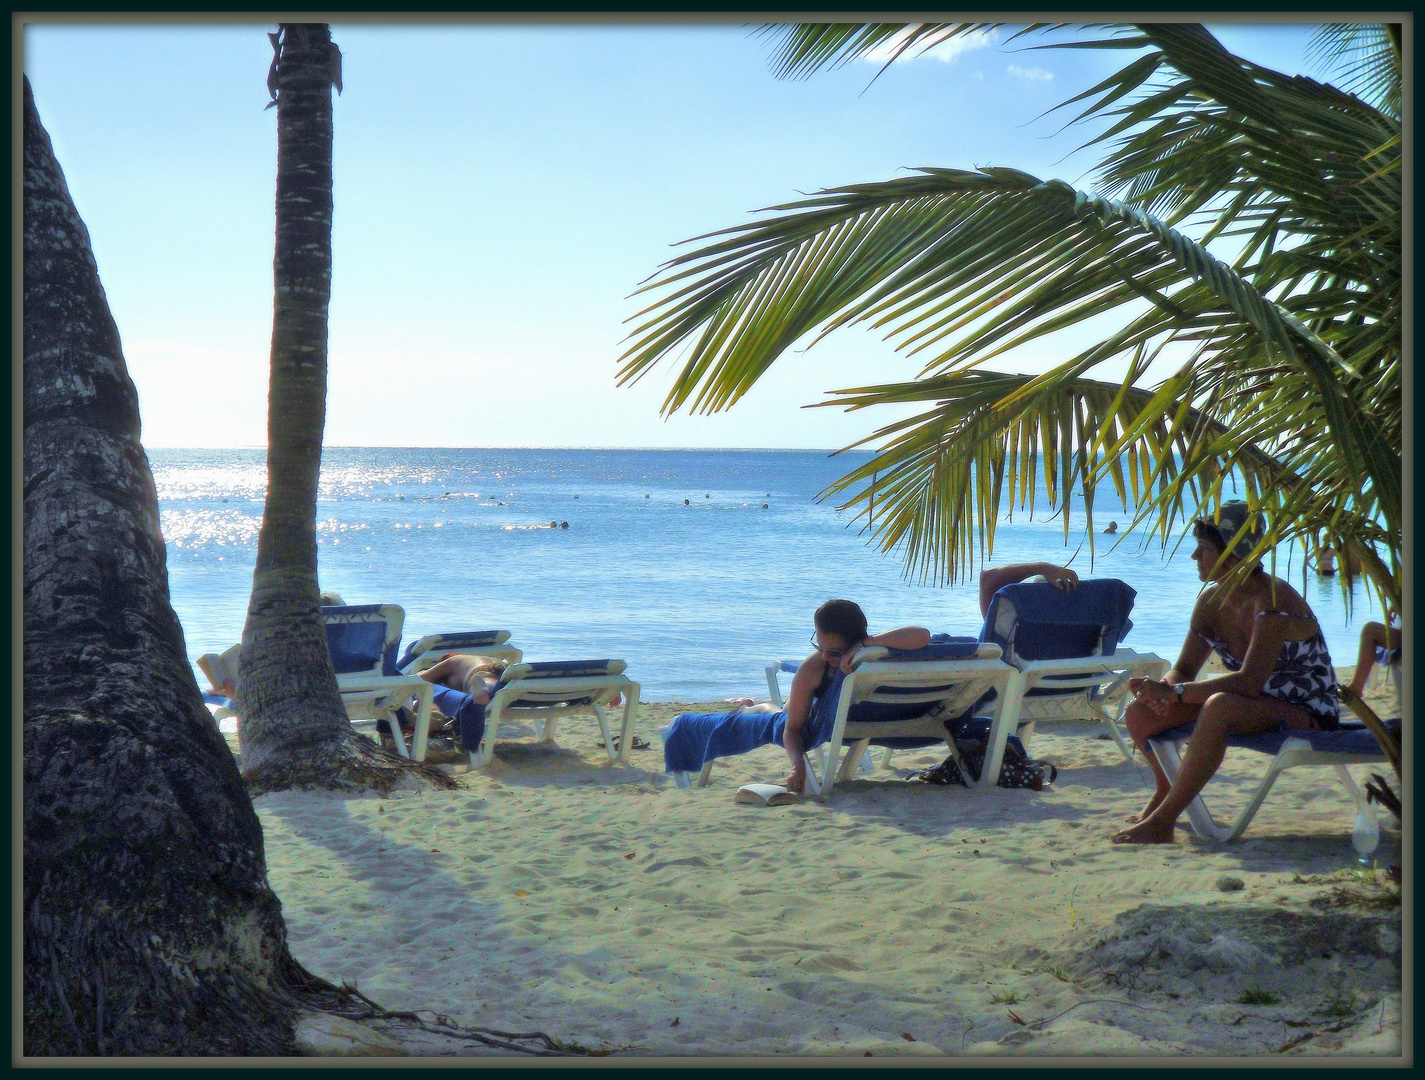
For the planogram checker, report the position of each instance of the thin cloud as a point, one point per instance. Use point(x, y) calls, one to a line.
point(939, 47)
point(1032, 74)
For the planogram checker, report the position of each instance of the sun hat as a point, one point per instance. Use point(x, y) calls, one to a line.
point(1231, 516)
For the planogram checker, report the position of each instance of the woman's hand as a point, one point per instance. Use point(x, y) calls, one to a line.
point(797, 779)
point(845, 662)
point(1152, 693)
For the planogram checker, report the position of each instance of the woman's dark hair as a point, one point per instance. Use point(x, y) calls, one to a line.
point(843, 618)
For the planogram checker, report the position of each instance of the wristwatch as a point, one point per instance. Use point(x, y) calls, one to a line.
point(1178, 690)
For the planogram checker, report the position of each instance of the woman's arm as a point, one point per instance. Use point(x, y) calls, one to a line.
point(804, 683)
point(1268, 633)
point(996, 578)
point(1158, 694)
point(902, 637)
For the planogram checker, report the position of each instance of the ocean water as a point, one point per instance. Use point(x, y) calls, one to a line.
point(670, 561)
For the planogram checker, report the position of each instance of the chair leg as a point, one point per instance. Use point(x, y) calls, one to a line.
point(630, 710)
point(1114, 731)
point(705, 777)
point(604, 728)
point(397, 735)
point(855, 758)
point(817, 783)
point(1365, 834)
point(1005, 717)
point(425, 699)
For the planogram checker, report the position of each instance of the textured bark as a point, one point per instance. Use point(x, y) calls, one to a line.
point(149, 927)
point(294, 731)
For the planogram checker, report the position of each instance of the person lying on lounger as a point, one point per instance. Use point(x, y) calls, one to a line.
point(465, 683)
point(1279, 677)
point(841, 633)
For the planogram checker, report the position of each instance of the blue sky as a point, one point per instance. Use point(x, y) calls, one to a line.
point(500, 191)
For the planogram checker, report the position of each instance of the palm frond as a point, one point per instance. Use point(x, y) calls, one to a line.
point(1368, 57)
point(807, 48)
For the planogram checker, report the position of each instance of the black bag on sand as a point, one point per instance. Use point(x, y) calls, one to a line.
point(1017, 769)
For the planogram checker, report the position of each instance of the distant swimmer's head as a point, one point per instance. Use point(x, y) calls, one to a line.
point(564, 524)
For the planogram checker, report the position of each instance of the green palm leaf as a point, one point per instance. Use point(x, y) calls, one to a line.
point(1290, 377)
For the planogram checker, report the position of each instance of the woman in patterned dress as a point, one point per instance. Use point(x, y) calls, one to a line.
point(1279, 673)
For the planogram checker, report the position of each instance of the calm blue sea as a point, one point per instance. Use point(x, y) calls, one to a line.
point(669, 562)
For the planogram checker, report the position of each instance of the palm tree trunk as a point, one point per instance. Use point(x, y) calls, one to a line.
point(294, 730)
point(149, 926)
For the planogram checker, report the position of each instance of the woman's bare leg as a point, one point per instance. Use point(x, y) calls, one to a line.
point(1373, 636)
point(1143, 723)
point(1220, 716)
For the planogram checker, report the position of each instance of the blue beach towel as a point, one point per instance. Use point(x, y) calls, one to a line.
point(468, 714)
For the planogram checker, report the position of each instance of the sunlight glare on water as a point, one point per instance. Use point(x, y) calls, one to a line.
point(669, 561)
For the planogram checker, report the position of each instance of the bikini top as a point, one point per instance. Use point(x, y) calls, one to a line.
point(1292, 649)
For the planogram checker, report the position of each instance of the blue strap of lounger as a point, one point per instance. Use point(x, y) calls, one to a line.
point(1351, 738)
point(559, 669)
point(457, 642)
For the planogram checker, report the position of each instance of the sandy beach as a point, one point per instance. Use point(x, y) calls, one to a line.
point(598, 903)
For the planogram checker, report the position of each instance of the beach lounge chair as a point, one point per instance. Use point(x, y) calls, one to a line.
point(428, 651)
point(1351, 744)
point(544, 692)
point(1066, 645)
point(363, 640)
point(893, 698)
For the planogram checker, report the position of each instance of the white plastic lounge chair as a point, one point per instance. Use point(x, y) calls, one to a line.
point(1351, 744)
point(883, 683)
point(362, 640)
point(1066, 647)
point(428, 651)
point(544, 692)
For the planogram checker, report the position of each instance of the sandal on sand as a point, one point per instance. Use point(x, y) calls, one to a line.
point(637, 743)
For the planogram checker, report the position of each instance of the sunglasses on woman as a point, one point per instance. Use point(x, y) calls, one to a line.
point(830, 654)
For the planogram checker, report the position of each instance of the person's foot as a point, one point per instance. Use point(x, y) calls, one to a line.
point(1146, 832)
point(1148, 808)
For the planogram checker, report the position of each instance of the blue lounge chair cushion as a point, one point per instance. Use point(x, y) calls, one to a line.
point(355, 646)
point(1349, 738)
point(1053, 624)
point(355, 640)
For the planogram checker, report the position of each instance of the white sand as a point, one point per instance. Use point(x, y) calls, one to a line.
point(602, 905)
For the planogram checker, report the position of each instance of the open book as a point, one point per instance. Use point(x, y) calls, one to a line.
point(765, 795)
point(221, 669)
